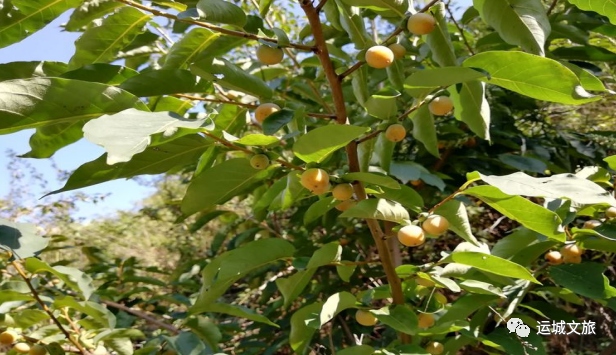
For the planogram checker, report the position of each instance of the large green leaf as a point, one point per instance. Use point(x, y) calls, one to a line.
point(335, 304)
point(401, 318)
point(490, 263)
point(129, 132)
point(231, 76)
point(164, 82)
point(378, 209)
point(185, 51)
point(30, 16)
point(73, 278)
point(101, 73)
point(21, 239)
point(319, 208)
point(222, 12)
point(519, 22)
point(220, 183)
point(154, 160)
point(424, 129)
point(606, 8)
point(236, 311)
point(585, 279)
point(445, 76)
point(406, 196)
point(301, 333)
point(205, 329)
point(531, 75)
point(27, 70)
point(530, 215)
point(231, 266)
point(455, 212)
point(353, 24)
point(439, 40)
point(396, 8)
point(89, 11)
point(101, 315)
point(372, 178)
point(102, 43)
point(472, 107)
point(319, 143)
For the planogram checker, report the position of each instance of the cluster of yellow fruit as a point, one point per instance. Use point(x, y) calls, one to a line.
point(440, 106)
point(413, 235)
point(317, 181)
point(381, 57)
point(9, 337)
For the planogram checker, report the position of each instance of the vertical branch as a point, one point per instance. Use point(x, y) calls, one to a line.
point(351, 151)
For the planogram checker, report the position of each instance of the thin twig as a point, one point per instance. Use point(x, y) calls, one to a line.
point(143, 316)
point(70, 320)
point(36, 296)
point(552, 6)
point(453, 19)
point(370, 136)
point(211, 27)
point(320, 5)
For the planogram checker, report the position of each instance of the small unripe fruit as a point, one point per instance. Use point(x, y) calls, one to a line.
point(571, 250)
point(269, 56)
point(592, 224)
point(554, 258)
point(411, 236)
point(424, 282)
point(421, 24)
point(435, 348)
point(610, 212)
point(395, 132)
point(441, 106)
point(8, 337)
point(435, 225)
point(343, 192)
point(398, 50)
point(572, 259)
point(440, 298)
point(425, 320)
point(37, 349)
point(379, 57)
point(365, 318)
point(264, 110)
point(345, 205)
point(260, 161)
point(21, 348)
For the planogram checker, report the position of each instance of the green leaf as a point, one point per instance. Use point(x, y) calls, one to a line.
point(472, 107)
point(101, 73)
point(187, 343)
point(606, 8)
point(335, 304)
point(164, 82)
point(319, 208)
point(377, 209)
point(21, 239)
point(585, 279)
point(89, 11)
point(220, 183)
point(455, 212)
point(357, 350)
point(257, 140)
point(102, 43)
point(406, 196)
point(372, 178)
point(73, 278)
point(230, 76)
point(359, 82)
point(589, 81)
point(32, 15)
point(464, 306)
point(264, 6)
point(345, 271)
point(291, 193)
point(395, 74)
point(401, 318)
point(490, 263)
point(301, 333)
point(233, 310)
point(424, 129)
point(319, 143)
point(523, 163)
point(518, 22)
point(100, 314)
point(220, 11)
point(27, 70)
point(407, 171)
point(39, 102)
point(482, 288)
point(185, 51)
point(129, 132)
point(226, 269)
point(274, 122)
point(445, 76)
point(382, 104)
point(29, 317)
point(353, 24)
point(396, 8)
point(205, 329)
point(569, 186)
point(611, 161)
point(154, 160)
point(439, 40)
point(14, 296)
point(531, 75)
point(122, 346)
point(530, 215)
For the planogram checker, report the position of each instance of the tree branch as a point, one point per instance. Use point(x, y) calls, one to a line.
point(453, 19)
point(320, 5)
point(211, 27)
point(143, 316)
point(552, 7)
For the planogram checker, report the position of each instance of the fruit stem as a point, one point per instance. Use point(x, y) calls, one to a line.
point(453, 19)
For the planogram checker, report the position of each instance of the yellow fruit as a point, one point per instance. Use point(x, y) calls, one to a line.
point(315, 180)
point(592, 224)
point(8, 337)
point(571, 250)
point(398, 50)
point(435, 348)
point(37, 349)
point(260, 161)
point(424, 282)
point(395, 132)
point(322, 190)
point(441, 106)
point(411, 236)
point(554, 258)
point(21, 348)
point(416, 182)
point(471, 142)
point(572, 259)
point(379, 57)
point(264, 110)
point(610, 212)
point(365, 318)
point(440, 298)
point(343, 192)
point(345, 205)
point(421, 24)
point(343, 242)
point(269, 56)
point(425, 320)
point(435, 225)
